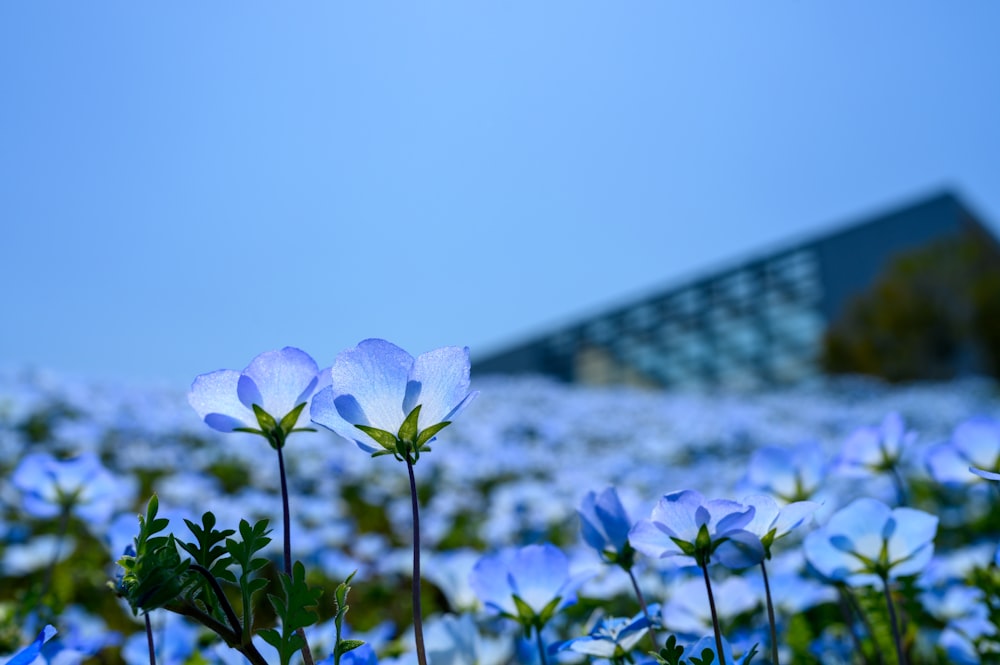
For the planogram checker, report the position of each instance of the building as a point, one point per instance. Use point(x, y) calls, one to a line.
point(759, 323)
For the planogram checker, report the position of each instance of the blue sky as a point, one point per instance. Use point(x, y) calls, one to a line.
point(185, 185)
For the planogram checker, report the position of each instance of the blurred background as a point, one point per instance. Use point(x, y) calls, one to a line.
point(184, 188)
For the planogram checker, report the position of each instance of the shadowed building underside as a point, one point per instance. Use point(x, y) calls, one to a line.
point(759, 323)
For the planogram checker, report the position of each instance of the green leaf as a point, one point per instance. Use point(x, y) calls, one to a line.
point(525, 614)
point(295, 608)
point(349, 645)
point(685, 546)
point(250, 430)
point(292, 417)
point(549, 610)
point(703, 541)
point(264, 419)
point(429, 433)
point(408, 430)
point(383, 438)
point(707, 658)
point(243, 552)
point(671, 652)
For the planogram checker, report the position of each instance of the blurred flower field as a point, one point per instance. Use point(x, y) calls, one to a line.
point(513, 471)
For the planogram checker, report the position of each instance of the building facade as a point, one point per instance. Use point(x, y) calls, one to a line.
point(758, 323)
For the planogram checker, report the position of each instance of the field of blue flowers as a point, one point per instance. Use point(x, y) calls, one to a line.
point(834, 523)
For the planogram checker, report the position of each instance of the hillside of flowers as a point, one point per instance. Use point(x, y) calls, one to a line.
point(834, 523)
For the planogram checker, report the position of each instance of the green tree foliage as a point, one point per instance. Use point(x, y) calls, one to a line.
point(933, 313)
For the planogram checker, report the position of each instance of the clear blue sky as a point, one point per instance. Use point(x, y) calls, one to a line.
point(184, 185)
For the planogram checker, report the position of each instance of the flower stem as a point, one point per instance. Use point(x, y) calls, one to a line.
point(893, 621)
point(541, 645)
point(285, 513)
point(287, 532)
point(61, 532)
point(418, 624)
point(850, 605)
point(897, 480)
point(149, 640)
point(770, 615)
point(642, 604)
point(715, 616)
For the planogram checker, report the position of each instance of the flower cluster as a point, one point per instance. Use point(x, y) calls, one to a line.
point(511, 574)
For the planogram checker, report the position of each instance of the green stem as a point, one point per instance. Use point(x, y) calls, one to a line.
point(418, 624)
point(852, 606)
point(227, 608)
point(770, 615)
point(897, 480)
point(61, 532)
point(893, 621)
point(715, 616)
point(642, 604)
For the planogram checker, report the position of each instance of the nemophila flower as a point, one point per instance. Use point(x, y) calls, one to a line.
point(974, 443)
point(771, 521)
point(81, 485)
point(791, 474)
point(867, 540)
point(30, 653)
point(605, 526)
point(266, 398)
point(611, 637)
point(529, 584)
point(876, 449)
point(389, 402)
point(683, 524)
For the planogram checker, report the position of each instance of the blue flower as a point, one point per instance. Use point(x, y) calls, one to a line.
point(610, 637)
point(605, 526)
point(771, 521)
point(378, 387)
point(529, 584)
point(867, 540)
point(683, 524)
point(876, 449)
point(791, 474)
point(31, 652)
point(974, 446)
point(277, 383)
point(81, 485)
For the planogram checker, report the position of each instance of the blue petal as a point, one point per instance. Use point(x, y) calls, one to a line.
point(284, 378)
point(215, 394)
point(439, 382)
point(325, 410)
point(375, 373)
point(33, 650)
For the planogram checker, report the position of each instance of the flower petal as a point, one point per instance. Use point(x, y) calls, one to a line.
point(374, 373)
point(285, 379)
point(214, 398)
point(438, 382)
